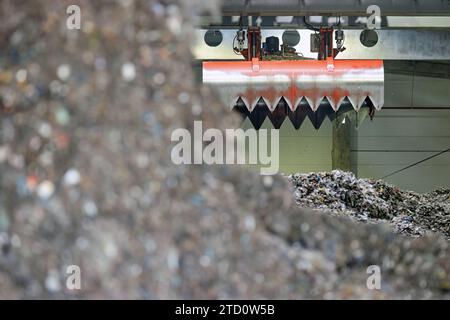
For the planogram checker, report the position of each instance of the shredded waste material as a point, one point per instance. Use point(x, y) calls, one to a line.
point(86, 177)
point(372, 201)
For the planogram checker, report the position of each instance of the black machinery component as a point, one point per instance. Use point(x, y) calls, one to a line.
point(272, 45)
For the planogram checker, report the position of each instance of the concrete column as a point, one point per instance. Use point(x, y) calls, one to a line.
point(343, 128)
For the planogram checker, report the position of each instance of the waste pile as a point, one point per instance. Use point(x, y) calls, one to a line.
point(86, 177)
point(366, 200)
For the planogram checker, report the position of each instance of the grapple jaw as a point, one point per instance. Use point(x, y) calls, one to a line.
point(320, 83)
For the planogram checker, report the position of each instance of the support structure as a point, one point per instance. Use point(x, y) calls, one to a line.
point(332, 7)
point(343, 131)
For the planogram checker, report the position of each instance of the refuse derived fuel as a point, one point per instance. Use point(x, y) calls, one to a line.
point(368, 200)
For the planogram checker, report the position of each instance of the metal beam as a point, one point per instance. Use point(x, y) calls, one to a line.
point(436, 69)
point(393, 44)
point(333, 8)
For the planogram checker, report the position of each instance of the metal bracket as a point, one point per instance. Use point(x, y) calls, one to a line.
point(392, 44)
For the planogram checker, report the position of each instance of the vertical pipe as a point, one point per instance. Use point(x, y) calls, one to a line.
point(253, 44)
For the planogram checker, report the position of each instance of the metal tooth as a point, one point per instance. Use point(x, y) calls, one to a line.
point(258, 115)
point(233, 102)
point(278, 116)
point(353, 102)
point(375, 93)
point(310, 102)
point(341, 101)
point(269, 104)
point(290, 103)
point(276, 102)
point(361, 101)
point(332, 103)
point(345, 106)
point(377, 103)
point(283, 99)
point(247, 104)
point(320, 114)
point(299, 114)
point(253, 101)
point(298, 102)
point(297, 117)
point(317, 102)
point(253, 104)
point(241, 108)
point(315, 120)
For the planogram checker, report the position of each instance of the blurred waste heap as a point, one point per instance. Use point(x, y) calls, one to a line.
point(86, 177)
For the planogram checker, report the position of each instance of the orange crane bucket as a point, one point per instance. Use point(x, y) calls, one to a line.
point(280, 83)
point(294, 80)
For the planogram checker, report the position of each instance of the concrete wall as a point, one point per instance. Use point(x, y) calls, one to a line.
point(400, 137)
point(303, 150)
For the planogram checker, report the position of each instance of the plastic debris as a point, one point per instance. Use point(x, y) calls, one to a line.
point(374, 200)
point(45, 189)
point(72, 177)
